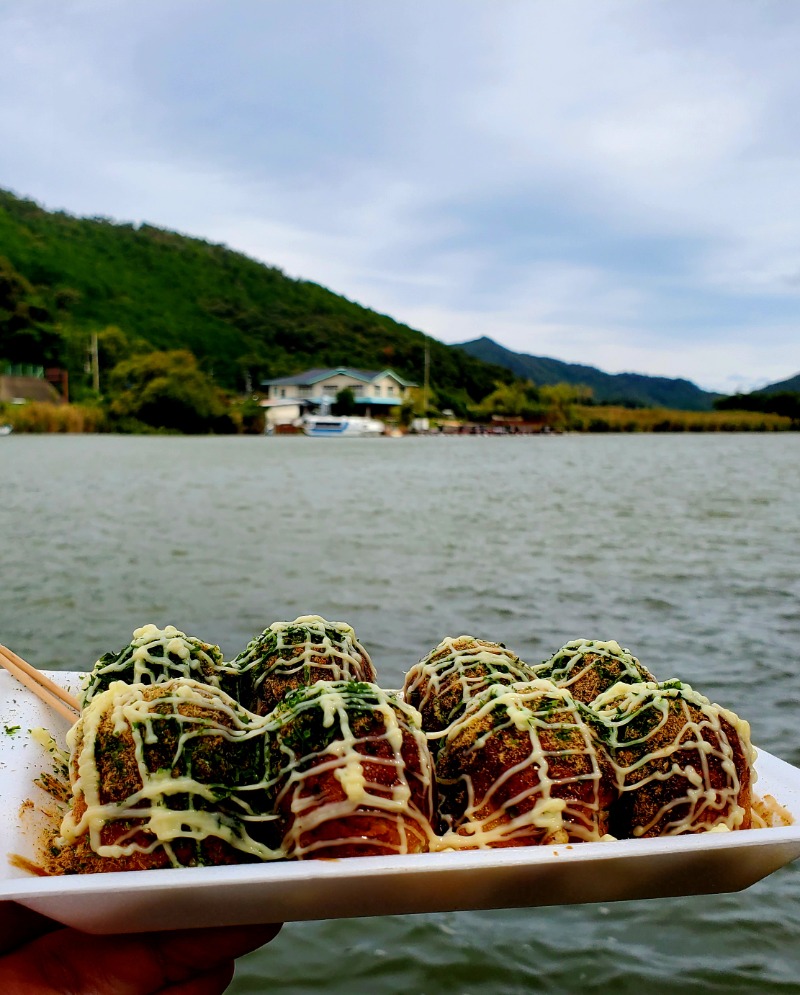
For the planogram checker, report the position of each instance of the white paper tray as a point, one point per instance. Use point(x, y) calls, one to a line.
point(135, 901)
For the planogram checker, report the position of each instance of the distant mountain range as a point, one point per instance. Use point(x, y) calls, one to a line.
point(608, 388)
point(790, 386)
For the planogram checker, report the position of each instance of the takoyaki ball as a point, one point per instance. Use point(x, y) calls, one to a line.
point(523, 766)
point(587, 667)
point(156, 655)
point(684, 764)
point(351, 772)
point(455, 671)
point(288, 655)
point(169, 774)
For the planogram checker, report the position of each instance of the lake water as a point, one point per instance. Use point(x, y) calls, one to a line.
point(683, 548)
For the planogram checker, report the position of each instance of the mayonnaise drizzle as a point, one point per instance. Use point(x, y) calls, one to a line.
point(402, 797)
point(156, 655)
point(488, 690)
point(459, 667)
point(288, 648)
point(584, 663)
point(642, 761)
point(144, 714)
point(547, 805)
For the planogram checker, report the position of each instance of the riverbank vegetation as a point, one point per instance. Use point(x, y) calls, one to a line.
point(148, 404)
point(42, 417)
point(564, 407)
point(783, 403)
point(619, 419)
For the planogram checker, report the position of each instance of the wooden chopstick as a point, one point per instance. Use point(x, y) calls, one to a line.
point(45, 689)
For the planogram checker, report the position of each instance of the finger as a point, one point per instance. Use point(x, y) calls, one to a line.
point(141, 964)
point(213, 983)
point(202, 949)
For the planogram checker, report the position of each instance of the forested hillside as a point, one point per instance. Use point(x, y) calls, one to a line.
point(142, 288)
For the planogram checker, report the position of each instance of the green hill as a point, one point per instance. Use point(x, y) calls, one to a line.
point(63, 278)
point(781, 398)
point(790, 386)
point(608, 388)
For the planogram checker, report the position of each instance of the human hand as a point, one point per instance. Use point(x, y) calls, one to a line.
point(40, 957)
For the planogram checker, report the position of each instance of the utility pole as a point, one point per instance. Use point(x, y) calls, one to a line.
point(95, 365)
point(427, 380)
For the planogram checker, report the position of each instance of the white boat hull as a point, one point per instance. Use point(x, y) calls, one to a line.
point(350, 426)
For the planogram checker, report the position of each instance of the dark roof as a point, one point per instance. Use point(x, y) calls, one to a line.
point(308, 377)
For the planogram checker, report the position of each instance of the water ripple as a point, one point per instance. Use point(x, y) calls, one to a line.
point(689, 559)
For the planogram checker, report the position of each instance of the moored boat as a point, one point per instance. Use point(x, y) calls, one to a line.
point(331, 426)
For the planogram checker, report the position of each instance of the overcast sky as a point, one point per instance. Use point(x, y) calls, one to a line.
point(612, 183)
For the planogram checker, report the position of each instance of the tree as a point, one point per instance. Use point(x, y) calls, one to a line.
point(559, 400)
point(514, 400)
point(785, 403)
point(345, 402)
point(26, 333)
point(406, 414)
point(168, 390)
point(113, 347)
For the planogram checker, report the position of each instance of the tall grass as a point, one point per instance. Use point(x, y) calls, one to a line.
point(41, 417)
point(618, 419)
